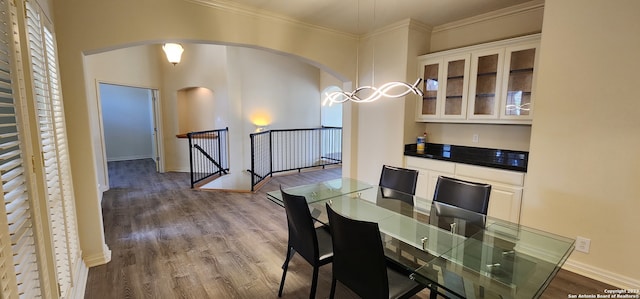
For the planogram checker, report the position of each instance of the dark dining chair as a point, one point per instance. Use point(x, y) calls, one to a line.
point(468, 195)
point(359, 262)
point(460, 206)
point(394, 179)
point(313, 244)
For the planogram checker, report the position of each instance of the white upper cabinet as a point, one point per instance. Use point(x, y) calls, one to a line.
point(484, 88)
point(430, 70)
point(487, 83)
point(455, 86)
point(519, 81)
point(445, 85)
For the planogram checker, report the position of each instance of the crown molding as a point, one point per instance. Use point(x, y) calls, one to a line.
point(508, 11)
point(406, 23)
point(236, 8)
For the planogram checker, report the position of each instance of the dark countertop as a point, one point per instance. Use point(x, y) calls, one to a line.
point(489, 157)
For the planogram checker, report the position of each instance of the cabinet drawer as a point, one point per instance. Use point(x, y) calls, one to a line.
point(513, 178)
point(429, 164)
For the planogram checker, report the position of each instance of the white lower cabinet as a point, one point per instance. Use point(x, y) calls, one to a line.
point(428, 172)
point(506, 185)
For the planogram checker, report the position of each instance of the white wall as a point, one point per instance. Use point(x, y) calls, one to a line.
point(127, 118)
point(584, 166)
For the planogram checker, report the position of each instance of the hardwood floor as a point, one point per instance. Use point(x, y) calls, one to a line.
point(169, 241)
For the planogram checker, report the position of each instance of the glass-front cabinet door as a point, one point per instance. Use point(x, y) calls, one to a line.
point(446, 79)
point(455, 84)
point(430, 71)
point(486, 83)
point(484, 86)
point(519, 81)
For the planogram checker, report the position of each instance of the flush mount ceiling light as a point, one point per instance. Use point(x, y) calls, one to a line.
point(173, 52)
point(385, 90)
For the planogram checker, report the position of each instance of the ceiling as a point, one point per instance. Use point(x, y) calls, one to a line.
point(362, 16)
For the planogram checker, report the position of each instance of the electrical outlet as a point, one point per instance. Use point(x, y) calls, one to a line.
point(475, 138)
point(582, 244)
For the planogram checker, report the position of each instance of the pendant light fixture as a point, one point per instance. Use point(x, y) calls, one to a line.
point(173, 52)
point(386, 90)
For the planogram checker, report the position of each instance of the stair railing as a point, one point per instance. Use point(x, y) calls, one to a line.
point(208, 154)
point(276, 151)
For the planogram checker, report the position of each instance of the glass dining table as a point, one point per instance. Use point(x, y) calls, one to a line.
point(455, 252)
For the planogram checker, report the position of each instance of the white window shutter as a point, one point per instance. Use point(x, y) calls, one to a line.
point(19, 266)
point(52, 130)
point(64, 165)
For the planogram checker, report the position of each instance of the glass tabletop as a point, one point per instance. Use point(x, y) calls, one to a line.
point(505, 260)
point(465, 254)
point(398, 221)
point(321, 191)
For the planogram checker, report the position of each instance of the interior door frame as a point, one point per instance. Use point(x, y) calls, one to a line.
point(157, 131)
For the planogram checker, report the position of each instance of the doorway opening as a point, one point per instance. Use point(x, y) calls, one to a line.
point(129, 120)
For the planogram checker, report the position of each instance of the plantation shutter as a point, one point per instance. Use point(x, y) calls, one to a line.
point(19, 272)
point(64, 165)
point(51, 125)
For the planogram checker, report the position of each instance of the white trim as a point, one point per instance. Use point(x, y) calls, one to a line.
point(80, 285)
point(179, 169)
point(614, 279)
point(99, 258)
point(509, 11)
point(126, 158)
point(406, 23)
point(236, 8)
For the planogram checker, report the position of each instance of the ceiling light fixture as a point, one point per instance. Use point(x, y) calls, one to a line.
point(375, 93)
point(173, 52)
point(382, 91)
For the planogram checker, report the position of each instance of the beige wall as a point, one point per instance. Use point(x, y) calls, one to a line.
point(380, 125)
point(584, 166)
point(272, 85)
point(582, 162)
point(87, 27)
point(513, 137)
point(515, 21)
point(419, 41)
point(195, 106)
point(114, 67)
point(501, 24)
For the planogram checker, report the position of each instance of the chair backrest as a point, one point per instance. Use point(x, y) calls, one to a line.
point(387, 193)
point(464, 194)
point(467, 223)
point(302, 233)
point(358, 256)
point(401, 179)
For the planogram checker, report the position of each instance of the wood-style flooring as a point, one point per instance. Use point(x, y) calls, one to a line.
point(170, 241)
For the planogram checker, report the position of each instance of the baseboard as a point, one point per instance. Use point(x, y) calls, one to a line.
point(99, 258)
point(614, 279)
point(80, 285)
point(127, 158)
